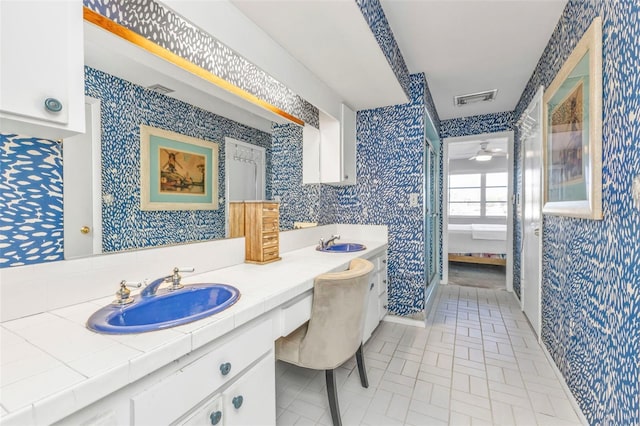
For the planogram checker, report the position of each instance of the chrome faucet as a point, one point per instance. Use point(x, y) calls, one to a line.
point(329, 242)
point(174, 279)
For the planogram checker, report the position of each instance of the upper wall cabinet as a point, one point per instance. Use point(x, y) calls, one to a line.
point(41, 68)
point(330, 153)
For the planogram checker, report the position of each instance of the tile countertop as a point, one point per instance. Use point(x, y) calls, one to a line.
point(51, 365)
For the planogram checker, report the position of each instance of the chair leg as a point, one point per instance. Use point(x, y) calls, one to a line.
point(361, 368)
point(332, 393)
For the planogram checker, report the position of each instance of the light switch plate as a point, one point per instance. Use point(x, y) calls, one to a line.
point(635, 191)
point(413, 199)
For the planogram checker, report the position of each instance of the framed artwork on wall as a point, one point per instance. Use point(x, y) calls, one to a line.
point(177, 172)
point(573, 132)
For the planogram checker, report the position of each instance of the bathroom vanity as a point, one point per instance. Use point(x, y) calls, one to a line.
point(212, 371)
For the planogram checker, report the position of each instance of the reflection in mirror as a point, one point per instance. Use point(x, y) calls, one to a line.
point(82, 214)
point(128, 81)
point(245, 166)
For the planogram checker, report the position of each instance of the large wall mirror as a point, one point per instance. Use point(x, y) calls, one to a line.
point(128, 87)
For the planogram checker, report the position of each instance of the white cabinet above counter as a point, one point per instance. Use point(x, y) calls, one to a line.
point(41, 68)
point(329, 153)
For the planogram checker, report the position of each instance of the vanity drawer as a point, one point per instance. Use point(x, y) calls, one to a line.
point(270, 209)
point(269, 239)
point(381, 263)
point(178, 393)
point(295, 314)
point(270, 224)
point(382, 281)
point(270, 253)
point(382, 305)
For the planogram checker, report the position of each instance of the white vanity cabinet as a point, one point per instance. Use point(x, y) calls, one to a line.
point(179, 393)
point(329, 154)
point(377, 299)
point(242, 403)
point(41, 68)
point(238, 370)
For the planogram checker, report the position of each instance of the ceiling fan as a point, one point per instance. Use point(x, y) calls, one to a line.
point(485, 154)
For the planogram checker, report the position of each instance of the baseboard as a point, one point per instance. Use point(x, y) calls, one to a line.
point(562, 381)
point(406, 321)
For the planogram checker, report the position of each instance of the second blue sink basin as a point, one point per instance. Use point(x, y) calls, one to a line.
point(164, 310)
point(343, 248)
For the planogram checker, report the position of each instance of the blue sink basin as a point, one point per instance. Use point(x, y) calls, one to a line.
point(342, 248)
point(164, 310)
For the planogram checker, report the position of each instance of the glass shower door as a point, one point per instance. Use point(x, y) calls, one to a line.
point(432, 214)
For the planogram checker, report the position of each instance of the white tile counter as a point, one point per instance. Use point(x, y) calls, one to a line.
point(51, 365)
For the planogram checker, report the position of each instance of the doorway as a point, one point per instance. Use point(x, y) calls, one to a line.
point(82, 190)
point(477, 236)
point(244, 173)
point(530, 125)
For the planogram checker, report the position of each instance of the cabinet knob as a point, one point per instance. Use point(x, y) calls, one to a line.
point(85, 230)
point(215, 417)
point(384, 261)
point(371, 287)
point(225, 368)
point(52, 105)
point(237, 401)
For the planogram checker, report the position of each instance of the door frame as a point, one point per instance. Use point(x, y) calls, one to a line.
point(445, 202)
point(538, 98)
point(94, 106)
point(228, 143)
point(431, 139)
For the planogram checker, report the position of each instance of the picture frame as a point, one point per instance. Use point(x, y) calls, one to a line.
point(177, 172)
point(572, 117)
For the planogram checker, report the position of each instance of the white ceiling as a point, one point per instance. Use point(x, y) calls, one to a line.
point(472, 46)
point(332, 40)
point(469, 148)
point(461, 46)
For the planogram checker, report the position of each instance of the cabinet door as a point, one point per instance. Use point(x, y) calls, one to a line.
point(348, 146)
point(41, 58)
point(310, 155)
point(209, 414)
point(372, 317)
point(252, 399)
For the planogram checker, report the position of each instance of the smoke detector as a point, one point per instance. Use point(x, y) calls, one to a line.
point(472, 98)
point(160, 89)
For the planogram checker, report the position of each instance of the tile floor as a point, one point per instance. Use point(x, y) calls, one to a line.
point(477, 362)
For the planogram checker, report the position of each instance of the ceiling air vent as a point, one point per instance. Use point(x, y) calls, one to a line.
point(473, 98)
point(160, 89)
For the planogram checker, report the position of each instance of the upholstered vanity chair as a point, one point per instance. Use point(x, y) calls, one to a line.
point(333, 334)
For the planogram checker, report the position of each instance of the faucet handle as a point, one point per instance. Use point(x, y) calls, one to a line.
point(175, 279)
point(123, 295)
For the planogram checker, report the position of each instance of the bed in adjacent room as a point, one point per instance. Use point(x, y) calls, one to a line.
point(478, 243)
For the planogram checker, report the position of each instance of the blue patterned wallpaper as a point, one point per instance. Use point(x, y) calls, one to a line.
point(124, 107)
point(591, 269)
point(477, 124)
point(31, 222)
point(375, 17)
point(389, 160)
point(171, 31)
